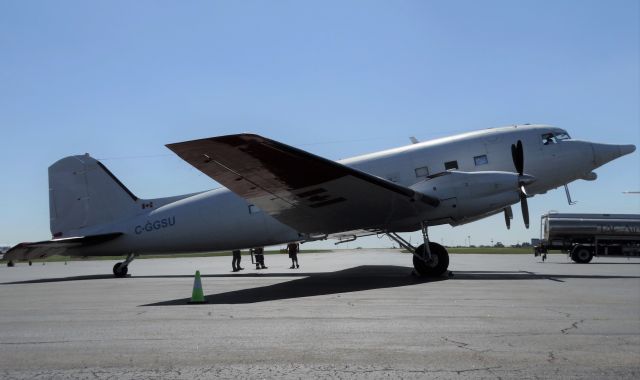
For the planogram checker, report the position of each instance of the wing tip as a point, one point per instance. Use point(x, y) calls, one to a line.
point(250, 135)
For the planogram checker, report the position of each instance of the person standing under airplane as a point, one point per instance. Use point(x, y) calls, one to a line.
point(259, 254)
point(293, 254)
point(235, 262)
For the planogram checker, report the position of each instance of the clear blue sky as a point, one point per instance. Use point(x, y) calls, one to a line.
point(120, 79)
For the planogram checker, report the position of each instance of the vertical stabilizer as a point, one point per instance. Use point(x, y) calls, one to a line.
point(84, 193)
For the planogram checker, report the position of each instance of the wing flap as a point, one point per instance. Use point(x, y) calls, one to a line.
point(46, 248)
point(307, 192)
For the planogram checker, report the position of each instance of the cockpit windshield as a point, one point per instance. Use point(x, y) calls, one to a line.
point(554, 138)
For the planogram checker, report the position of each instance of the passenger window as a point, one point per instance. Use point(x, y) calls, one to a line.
point(480, 160)
point(422, 172)
point(450, 165)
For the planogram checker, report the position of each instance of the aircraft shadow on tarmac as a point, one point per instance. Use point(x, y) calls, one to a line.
point(360, 278)
point(355, 279)
point(366, 277)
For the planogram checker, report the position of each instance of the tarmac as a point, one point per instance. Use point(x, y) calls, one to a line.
point(355, 315)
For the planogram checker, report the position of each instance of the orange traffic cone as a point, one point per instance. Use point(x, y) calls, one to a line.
point(197, 296)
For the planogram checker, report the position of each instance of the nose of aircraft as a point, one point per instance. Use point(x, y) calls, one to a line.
point(603, 153)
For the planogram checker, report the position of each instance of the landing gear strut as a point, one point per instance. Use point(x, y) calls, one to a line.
point(121, 269)
point(429, 259)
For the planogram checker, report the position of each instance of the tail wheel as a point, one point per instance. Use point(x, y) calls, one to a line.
point(120, 270)
point(438, 264)
point(582, 254)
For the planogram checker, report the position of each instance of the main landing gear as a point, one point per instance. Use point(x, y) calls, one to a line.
point(121, 269)
point(429, 259)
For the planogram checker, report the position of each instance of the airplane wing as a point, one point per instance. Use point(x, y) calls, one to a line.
point(46, 248)
point(306, 192)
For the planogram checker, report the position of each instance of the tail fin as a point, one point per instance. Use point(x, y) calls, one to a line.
point(84, 193)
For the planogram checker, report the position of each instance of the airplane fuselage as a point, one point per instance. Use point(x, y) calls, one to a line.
point(220, 220)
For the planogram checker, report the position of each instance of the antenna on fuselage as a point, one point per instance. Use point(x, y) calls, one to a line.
point(413, 140)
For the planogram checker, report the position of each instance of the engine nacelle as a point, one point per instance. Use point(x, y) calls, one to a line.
point(465, 195)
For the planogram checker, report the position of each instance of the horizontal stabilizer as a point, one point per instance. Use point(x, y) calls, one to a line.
point(46, 248)
point(309, 193)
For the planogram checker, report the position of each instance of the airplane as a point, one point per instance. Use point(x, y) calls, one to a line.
point(275, 193)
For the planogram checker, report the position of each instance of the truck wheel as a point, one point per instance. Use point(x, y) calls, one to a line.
point(582, 255)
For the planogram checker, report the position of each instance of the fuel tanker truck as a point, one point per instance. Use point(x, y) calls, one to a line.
point(584, 236)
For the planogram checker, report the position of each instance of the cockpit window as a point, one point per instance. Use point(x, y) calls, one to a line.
point(547, 138)
point(551, 138)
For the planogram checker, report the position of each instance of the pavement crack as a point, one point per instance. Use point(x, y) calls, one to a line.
point(462, 345)
point(574, 326)
point(456, 343)
point(489, 369)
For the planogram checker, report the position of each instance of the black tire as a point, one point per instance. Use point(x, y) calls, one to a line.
point(120, 270)
point(10, 263)
point(582, 254)
point(439, 261)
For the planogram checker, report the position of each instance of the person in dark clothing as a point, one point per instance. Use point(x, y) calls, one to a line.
point(235, 263)
point(259, 254)
point(293, 254)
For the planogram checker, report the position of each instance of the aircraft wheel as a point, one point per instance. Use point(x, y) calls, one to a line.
point(10, 264)
point(120, 270)
point(581, 255)
point(439, 261)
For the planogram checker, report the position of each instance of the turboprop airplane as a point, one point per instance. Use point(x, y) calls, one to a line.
point(275, 194)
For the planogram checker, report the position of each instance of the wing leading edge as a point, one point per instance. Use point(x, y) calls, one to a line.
point(309, 193)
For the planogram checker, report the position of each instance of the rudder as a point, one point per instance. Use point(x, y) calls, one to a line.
point(84, 193)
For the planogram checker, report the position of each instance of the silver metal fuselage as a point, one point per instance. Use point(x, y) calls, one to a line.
point(220, 220)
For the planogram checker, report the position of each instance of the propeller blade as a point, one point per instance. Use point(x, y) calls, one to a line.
point(525, 209)
point(517, 155)
point(520, 157)
point(507, 220)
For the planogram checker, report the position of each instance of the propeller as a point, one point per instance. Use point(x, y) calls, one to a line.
point(517, 154)
point(508, 215)
point(518, 157)
point(524, 206)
